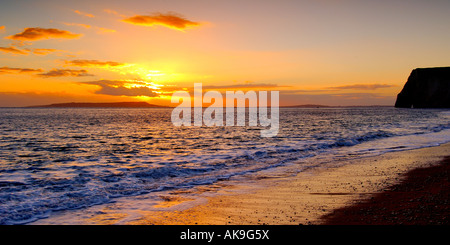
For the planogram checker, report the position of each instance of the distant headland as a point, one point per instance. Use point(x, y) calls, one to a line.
point(306, 106)
point(100, 105)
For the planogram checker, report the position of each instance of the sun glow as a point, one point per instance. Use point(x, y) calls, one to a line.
point(152, 74)
point(143, 72)
point(140, 84)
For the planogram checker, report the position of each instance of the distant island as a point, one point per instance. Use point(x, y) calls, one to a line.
point(101, 105)
point(307, 106)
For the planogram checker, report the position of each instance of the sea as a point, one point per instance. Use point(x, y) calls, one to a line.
point(56, 160)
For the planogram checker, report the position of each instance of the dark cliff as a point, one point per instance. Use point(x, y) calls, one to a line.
point(426, 88)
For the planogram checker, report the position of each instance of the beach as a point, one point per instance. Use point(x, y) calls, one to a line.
point(332, 195)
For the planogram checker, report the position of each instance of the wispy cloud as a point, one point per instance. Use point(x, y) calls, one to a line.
point(37, 33)
point(122, 88)
point(45, 51)
point(335, 99)
point(100, 30)
point(18, 70)
point(361, 86)
point(77, 24)
point(36, 51)
point(2, 29)
point(248, 85)
point(95, 63)
point(65, 73)
point(30, 98)
point(83, 13)
point(170, 20)
point(360, 96)
point(110, 11)
point(14, 50)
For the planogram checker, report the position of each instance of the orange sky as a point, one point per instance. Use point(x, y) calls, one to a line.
point(327, 52)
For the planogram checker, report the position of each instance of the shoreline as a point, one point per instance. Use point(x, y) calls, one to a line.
point(309, 198)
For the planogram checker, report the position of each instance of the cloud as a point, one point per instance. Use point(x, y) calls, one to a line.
point(37, 33)
point(110, 11)
point(46, 51)
point(36, 51)
point(96, 63)
point(170, 20)
point(100, 30)
point(362, 86)
point(14, 50)
point(84, 14)
point(118, 88)
point(358, 95)
point(18, 70)
point(65, 73)
point(123, 91)
point(308, 91)
point(13, 99)
point(244, 86)
point(77, 24)
point(2, 29)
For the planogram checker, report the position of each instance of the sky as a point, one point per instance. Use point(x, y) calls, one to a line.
point(328, 52)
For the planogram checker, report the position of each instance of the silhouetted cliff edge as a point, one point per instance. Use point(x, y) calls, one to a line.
point(426, 88)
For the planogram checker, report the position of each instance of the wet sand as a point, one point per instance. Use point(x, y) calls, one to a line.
point(404, 187)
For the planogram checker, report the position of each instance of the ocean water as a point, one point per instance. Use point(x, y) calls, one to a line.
point(72, 158)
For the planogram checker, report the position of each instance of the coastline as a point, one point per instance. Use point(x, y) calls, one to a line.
point(312, 196)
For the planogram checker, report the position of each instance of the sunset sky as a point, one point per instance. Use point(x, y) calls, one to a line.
point(330, 52)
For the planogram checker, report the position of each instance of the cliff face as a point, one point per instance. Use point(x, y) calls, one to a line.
point(426, 88)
